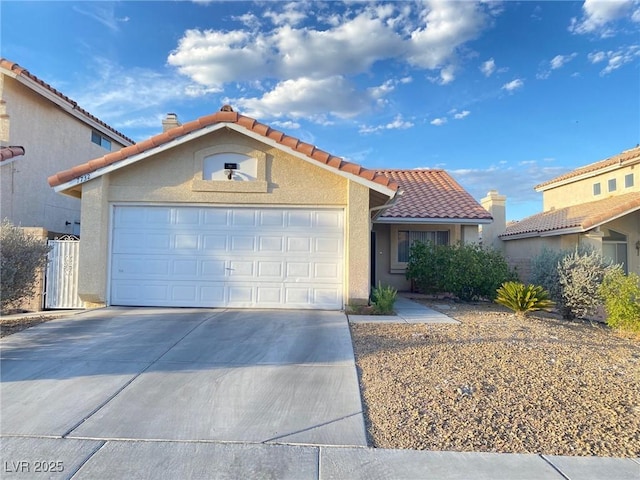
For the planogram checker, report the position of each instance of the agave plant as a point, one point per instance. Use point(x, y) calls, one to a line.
point(522, 298)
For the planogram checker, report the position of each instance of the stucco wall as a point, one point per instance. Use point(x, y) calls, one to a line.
point(383, 260)
point(581, 191)
point(53, 141)
point(169, 178)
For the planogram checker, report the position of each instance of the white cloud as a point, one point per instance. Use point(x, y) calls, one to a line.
point(398, 123)
point(289, 15)
point(461, 115)
point(559, 60)
point(438, 121)
point(513, 85)
point(307, 98)
point(427, 36)
point(288, 124)
point(488, 67)
point(598, 15)
point(554, 64)
point(615, 58)
point(101, 12)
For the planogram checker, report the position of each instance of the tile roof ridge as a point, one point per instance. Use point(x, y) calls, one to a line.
point(619, 158)
point(21, 71)
point(225, 115)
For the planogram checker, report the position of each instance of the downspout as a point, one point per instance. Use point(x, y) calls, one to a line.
point(379, 209)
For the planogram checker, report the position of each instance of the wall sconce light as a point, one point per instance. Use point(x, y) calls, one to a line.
point(638, 247)
point(229, 168)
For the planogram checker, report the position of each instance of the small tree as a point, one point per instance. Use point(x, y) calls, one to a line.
point(580, 276)
point(544, 271)
point(21, 257)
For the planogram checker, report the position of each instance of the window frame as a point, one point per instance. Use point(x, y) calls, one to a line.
point(98, 139)
point(612, 182)
point(396, 266)
point(597, 189)
point(627, 183)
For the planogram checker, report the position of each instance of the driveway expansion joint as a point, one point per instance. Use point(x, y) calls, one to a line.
point(556, 468)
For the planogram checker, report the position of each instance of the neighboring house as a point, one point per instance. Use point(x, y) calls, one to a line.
point(52, 133)
point(432, 207)
point(596, 205)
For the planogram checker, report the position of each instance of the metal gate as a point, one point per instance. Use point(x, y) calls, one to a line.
point(61, 283)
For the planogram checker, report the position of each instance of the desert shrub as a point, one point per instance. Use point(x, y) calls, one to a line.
point(580, 276)
point(544, 271)
point(522, 298)
point(621, 295)
point(21, 256)
point(466, 270)
point(383, 299)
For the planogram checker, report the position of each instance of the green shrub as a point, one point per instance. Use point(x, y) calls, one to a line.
point(522, 298)
point(466, 270)
point(383, 299)
point(621, 295)
point(580, 276)
point(21, 256)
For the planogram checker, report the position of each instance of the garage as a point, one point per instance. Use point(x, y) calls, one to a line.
point(236, 257)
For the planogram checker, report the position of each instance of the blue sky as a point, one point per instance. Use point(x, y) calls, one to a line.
point(503, 95)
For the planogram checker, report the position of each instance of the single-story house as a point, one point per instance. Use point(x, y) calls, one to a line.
point(225, 211)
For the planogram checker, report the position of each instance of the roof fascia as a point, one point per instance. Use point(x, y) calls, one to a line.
point(587, 175)
point(212, 128)
point(68, 107)
point(412, 221)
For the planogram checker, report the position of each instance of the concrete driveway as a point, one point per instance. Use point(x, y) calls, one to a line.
point(184, 374)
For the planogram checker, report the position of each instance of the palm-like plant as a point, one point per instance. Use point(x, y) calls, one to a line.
point(522, 298)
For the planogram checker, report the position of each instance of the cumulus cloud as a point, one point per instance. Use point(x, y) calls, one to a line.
point(599, 15)
point(398, 123)
point(488, 67)
point(345, 44)
point(513, 85)
point(438, 121)
point(307, 98)
point(461, 115)
point(615, 58)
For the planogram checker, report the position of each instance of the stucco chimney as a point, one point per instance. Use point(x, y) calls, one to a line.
point(170, 121)
point(495, 204)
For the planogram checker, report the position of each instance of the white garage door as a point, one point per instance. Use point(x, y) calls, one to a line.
point(227, 257)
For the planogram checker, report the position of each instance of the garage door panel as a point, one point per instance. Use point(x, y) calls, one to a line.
point(227, 257)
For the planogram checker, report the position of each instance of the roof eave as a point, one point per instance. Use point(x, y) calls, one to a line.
point(414, 220)
point(69, 108)
point(212, 128)
point(584, 176)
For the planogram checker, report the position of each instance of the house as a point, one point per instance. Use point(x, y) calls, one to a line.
point(225, 211)
point(596, 205)
point(43, 131)
point(432, 207)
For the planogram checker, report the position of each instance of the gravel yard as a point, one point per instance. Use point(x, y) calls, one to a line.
point(499, 383)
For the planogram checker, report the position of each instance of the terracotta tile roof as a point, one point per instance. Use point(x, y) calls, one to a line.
point(225, 115)
point(577, 217)
point(7, 153)
point(627, 156)
point(21, 71)
point(431, 194)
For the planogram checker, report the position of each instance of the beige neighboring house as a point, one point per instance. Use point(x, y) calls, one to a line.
point(42, 131)
point(596, 205)
point(225, 211)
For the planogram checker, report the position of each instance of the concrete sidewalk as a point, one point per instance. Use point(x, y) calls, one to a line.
point(407, 311)
point(22, 457)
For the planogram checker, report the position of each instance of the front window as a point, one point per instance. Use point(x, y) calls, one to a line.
point(596, 189)
point(614, 248)
point(406, 238)
point(628, 180)
point(612, 185)
point(100, 140)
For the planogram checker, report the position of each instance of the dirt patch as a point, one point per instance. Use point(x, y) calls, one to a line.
point(11, 325)
point(499, 383)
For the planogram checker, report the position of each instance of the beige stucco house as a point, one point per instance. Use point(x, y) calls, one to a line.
point(225, 211)
point(42, 131)
point(596, 205)
point(433, 207)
